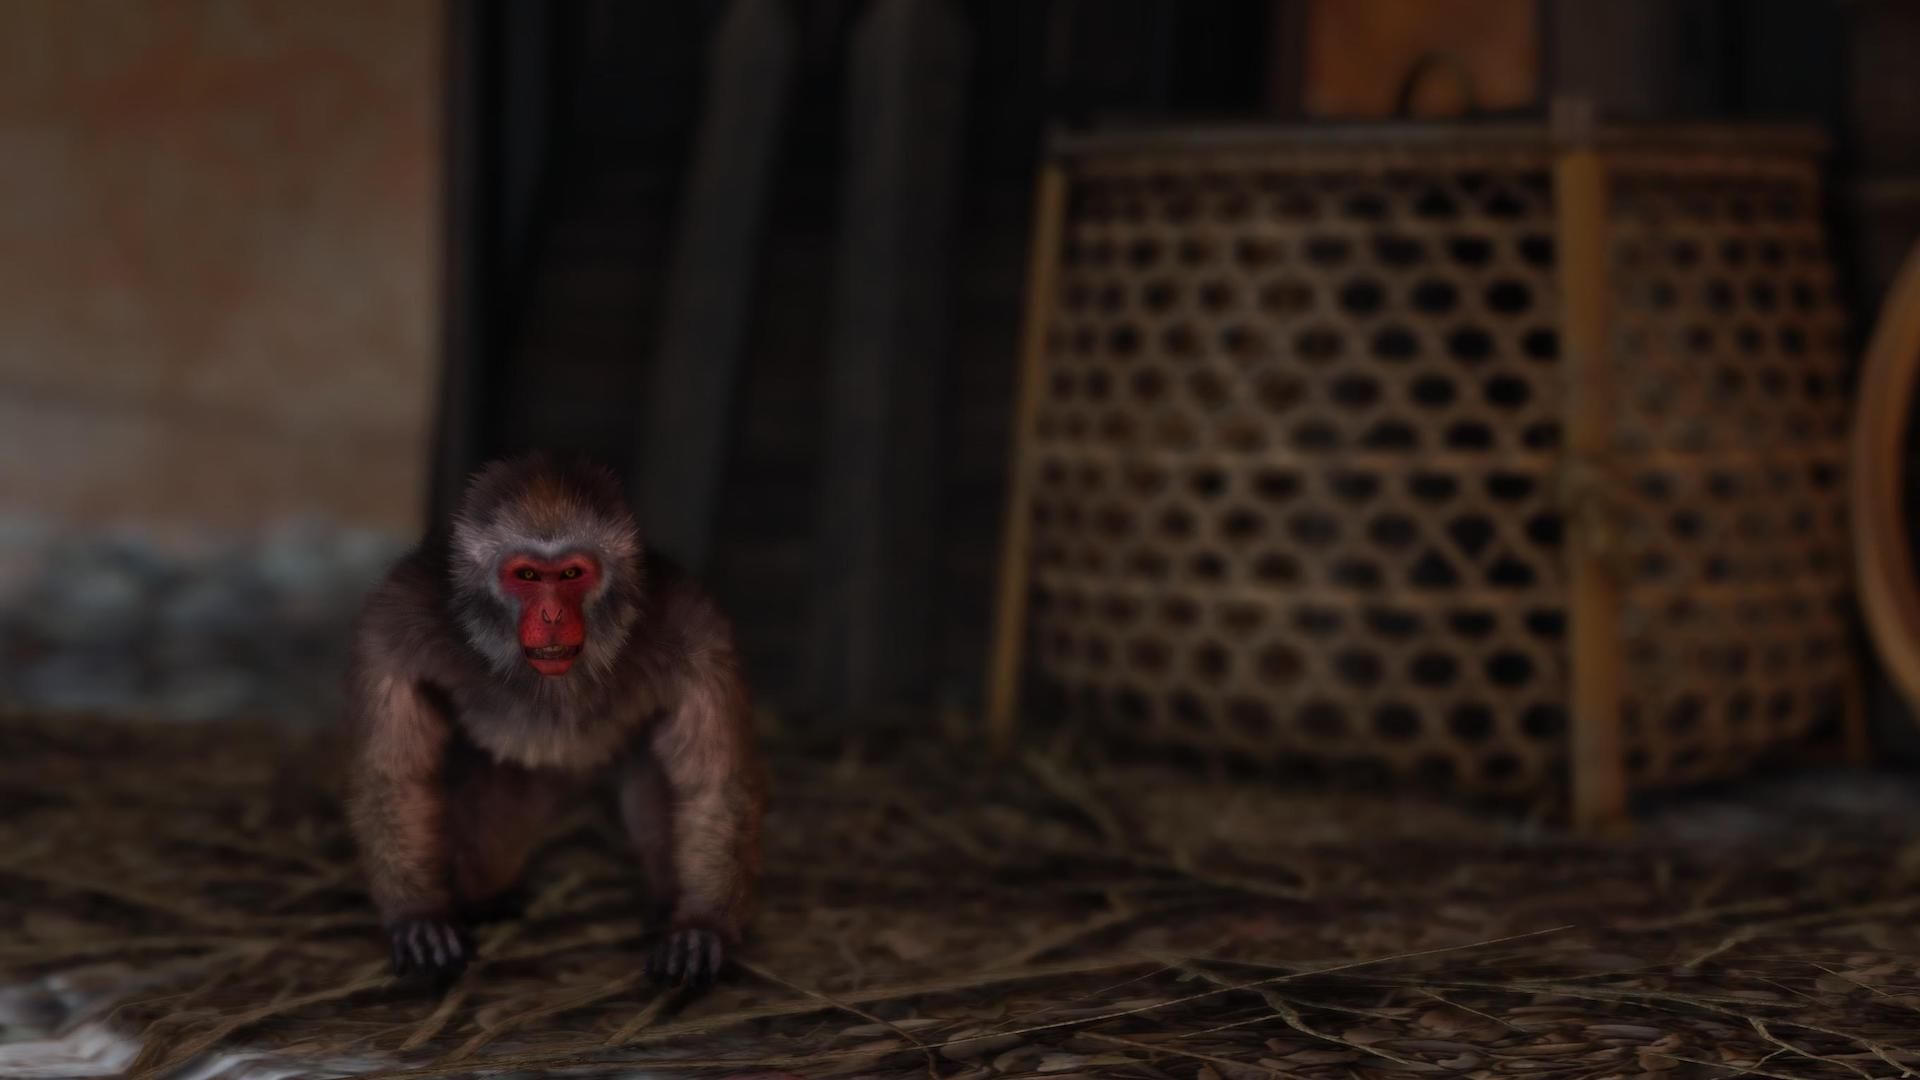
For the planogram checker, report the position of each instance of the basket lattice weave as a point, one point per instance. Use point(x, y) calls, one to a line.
point(1299, 475)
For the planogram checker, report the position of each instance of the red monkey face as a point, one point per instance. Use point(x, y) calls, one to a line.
point(552, 596)
point(546, 570)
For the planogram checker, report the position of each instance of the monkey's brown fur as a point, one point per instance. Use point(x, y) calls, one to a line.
point(462, 752)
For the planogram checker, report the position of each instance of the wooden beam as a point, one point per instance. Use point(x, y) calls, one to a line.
point(703, 332)
point(1599, 779)
point(873, 564)
point(1010, 618)
point(1877, 482)
point(495, 148)
point(464, 263)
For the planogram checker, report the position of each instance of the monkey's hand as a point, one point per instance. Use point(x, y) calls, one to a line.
point(430, 945)
point(689, 956)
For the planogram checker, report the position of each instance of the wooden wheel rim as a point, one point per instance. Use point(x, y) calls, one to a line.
point(1882, 549)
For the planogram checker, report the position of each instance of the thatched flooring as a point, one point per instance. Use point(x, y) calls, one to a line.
point(181, 901)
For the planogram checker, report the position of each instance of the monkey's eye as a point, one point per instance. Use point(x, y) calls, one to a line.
point(570, 572)
point(527, 574)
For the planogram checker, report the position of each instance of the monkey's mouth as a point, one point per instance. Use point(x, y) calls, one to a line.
point(552, 659)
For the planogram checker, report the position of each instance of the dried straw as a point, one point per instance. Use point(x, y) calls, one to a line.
point(932, 914)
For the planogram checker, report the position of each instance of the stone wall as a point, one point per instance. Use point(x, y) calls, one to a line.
point(184, 626)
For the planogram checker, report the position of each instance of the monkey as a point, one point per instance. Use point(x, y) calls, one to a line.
point(528, 648)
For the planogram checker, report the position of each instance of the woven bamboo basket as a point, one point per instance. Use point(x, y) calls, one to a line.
point(1490, 453)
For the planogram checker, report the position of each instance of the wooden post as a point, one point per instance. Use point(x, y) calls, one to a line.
point(1016, 530)
point(1882, 544)
point(703, 329)
point(494, 161)
point(464, 265)
point(873, 563)
point(1881, 195)
point(1598, 751)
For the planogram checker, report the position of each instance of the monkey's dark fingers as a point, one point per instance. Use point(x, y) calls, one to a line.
point(422, 945)
point(450, 947)
point(688, 957)
point(711, 955)
point(429, 946)
point(409, 954)
point(440, 949)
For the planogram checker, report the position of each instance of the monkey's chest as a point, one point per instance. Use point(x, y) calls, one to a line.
point(571, 740)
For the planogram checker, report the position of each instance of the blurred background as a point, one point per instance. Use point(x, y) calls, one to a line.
point(280, 274)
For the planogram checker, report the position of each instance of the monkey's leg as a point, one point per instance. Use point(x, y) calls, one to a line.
point(705, 750)
point(646, 808)
point(496, 813)
point(398, 809)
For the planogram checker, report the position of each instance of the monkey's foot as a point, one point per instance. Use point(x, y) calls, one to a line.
point(430, 946)
point(688, 956)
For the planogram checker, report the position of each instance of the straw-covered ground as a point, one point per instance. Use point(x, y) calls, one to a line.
point(182, 901)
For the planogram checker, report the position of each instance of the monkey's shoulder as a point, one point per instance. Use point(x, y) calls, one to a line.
point(681, 615)
point(404, 619)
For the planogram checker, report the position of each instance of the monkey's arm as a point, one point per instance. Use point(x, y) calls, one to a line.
point(717, 792)
point(397, 806)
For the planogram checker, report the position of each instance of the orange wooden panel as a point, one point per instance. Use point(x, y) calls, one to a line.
point(1357, 51)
